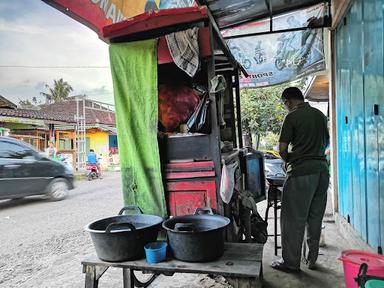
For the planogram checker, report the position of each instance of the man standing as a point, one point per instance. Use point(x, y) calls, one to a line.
point(305, 190)
point(51, 150)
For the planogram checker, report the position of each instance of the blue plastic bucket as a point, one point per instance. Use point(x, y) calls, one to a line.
point(155, 252)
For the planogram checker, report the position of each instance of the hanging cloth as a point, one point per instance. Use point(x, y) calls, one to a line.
point(134, 75)
point(184, 49)
point(218, 86)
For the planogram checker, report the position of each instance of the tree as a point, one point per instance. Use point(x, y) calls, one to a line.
point(28, 104)
point(59, 92)
point(261, 110)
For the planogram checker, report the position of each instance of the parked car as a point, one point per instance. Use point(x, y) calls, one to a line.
point(271, 154)
point(26, 172)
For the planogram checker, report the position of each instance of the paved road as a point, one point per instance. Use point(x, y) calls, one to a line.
point(42, 243)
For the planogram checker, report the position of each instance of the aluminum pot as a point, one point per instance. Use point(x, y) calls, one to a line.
point(196, 238)
point(123, 237)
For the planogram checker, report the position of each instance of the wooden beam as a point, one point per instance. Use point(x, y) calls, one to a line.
point(222, 44)
point(339, 9)
point(158, 21)
point(333, 128)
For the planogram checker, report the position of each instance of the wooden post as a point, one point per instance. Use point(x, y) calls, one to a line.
point(333, 129)
point(93, 274)
point(232, 107)
point(215, 133)
point(90, 277)
point(238, 111)
point(128, 278)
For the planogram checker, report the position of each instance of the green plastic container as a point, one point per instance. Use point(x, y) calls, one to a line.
point(374, 284)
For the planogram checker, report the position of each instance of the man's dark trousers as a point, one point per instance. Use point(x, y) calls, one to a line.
point(303, 205)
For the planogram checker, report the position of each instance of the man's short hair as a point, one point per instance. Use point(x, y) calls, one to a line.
point(91, 150)
point(292, 93)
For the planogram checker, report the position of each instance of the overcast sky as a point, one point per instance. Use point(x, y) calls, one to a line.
point(34, 34)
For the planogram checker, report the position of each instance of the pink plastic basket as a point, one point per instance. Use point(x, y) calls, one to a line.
point(352, 259)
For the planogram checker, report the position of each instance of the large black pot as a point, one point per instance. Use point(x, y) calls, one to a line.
point(196, 238)
point(123, 237)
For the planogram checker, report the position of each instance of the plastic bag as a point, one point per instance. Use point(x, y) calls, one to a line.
point(176, 104)
point(200, 120)
point(227, 182)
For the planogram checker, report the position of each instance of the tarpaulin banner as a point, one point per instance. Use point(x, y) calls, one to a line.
point(276, 58)
point(98, 13)
point(167, 4)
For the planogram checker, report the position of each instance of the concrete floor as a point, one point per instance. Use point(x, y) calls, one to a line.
point(330, 269)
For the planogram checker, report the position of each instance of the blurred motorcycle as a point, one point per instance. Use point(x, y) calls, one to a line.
point(92, 172)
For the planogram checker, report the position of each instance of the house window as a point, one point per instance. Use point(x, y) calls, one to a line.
point(65, 144)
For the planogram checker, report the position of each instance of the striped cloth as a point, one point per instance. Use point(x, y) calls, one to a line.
point(184, 49)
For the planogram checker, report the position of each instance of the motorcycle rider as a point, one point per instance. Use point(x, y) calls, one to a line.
point(294, 49)
point(92, 160)
point(259, 53)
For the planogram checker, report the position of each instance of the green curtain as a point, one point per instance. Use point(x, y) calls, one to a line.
point(134, 74)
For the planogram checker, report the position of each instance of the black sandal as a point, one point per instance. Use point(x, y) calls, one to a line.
point(279, 265)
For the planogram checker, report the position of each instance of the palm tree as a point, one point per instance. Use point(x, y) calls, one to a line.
point(59, 92)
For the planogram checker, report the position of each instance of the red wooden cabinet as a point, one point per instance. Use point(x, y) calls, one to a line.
point(190, 185)
point(185, 197)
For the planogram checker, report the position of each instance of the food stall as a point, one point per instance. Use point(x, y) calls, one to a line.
point(177, 96)
point(193, 149)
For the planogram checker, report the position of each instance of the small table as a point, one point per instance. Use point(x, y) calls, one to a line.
point(241, 265)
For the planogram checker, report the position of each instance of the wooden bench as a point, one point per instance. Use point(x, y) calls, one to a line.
point(241, 265)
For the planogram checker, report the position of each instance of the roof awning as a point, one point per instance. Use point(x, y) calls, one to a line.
point(159, 23)
point(154, 24)
point(318, 89)
point(293, 47)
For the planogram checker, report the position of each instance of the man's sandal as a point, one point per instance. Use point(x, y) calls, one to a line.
point(279, 265)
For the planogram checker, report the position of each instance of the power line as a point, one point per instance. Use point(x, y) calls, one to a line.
point(54, 67)
point(97, 93)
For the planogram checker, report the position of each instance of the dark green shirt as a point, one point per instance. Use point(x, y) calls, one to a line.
point(305, 128)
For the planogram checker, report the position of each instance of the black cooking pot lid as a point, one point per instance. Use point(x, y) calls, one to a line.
point(124, 223)
point(195, 223)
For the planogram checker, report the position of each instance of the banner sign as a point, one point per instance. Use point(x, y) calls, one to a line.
point(98, 13)
point(167, 4)
point(272, 59)
point(268, 59)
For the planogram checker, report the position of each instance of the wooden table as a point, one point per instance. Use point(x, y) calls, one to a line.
point(241, 265)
